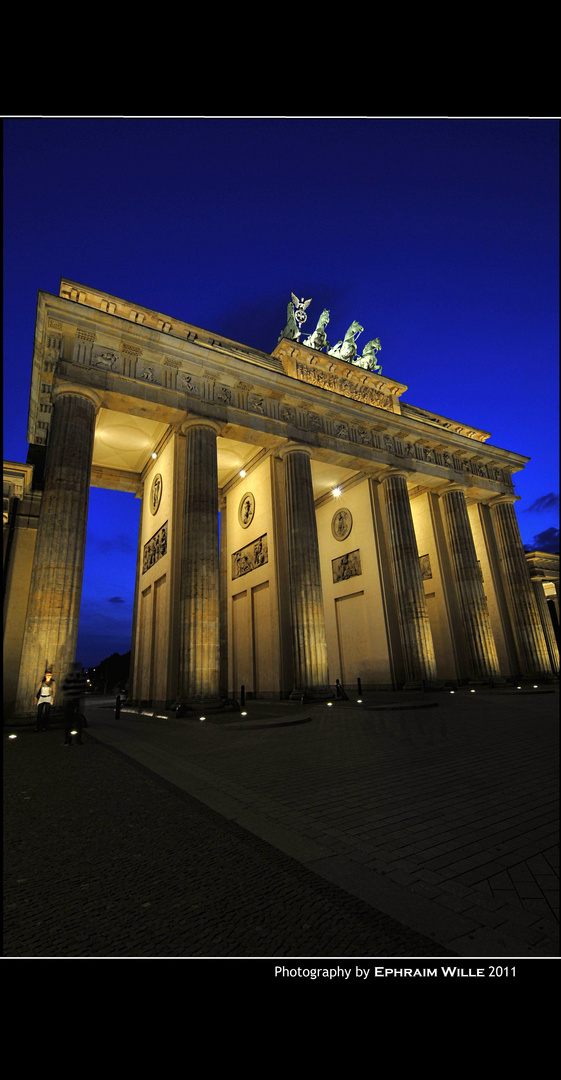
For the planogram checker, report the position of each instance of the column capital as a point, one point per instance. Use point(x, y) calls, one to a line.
point(501, 500)
point(61, 389)
point(452, 487)
point(292, 447)
point(200, 421)
point(392, 472)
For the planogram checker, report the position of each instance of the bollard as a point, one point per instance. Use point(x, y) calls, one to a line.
point(118, 707)
point(242, 698)
point(359, 684)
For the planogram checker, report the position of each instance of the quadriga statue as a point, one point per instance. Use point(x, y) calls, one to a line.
point(346, 349)
point(369, 359)
point(291, 330)
point(318, 340)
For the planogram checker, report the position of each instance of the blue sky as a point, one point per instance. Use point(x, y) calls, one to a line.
point(439, 235)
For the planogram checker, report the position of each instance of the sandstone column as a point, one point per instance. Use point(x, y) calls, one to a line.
point(51, 631)
point(415, 631)
point(306, 599)
point(473, 603)
point(547, 625)
point(199, 664)
point(525, 618)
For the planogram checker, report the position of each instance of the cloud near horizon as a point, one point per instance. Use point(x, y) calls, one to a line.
point(544, 504)
point(547, 541)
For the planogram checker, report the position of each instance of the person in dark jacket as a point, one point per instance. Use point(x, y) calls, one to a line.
point(74, 689)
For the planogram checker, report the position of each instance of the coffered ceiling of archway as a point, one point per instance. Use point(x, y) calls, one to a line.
point(125, 442)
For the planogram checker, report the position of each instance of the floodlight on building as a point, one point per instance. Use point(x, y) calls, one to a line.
point(242, 473)
point(336, 492)
point(154, 455)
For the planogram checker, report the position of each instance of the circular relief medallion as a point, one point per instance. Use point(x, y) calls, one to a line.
point(341, 524)
point(246, 510)
point(155, 493)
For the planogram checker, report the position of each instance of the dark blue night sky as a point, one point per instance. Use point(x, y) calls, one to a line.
point(439, 235)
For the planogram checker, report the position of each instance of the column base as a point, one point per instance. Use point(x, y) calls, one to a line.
point(424, 684)
point(192, 708)
point(495, 680)
point(307, 697)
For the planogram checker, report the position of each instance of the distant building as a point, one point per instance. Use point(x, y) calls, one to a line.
point(300, 523)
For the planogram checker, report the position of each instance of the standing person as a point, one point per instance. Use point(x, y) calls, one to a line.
point(74, 688)
point(44, 698)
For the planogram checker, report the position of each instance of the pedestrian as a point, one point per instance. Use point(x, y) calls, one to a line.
point(44, 699)
point(74, 689)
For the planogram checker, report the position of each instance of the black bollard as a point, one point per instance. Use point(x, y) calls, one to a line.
point(359, 684)
point(118, 707)
point(242, 698)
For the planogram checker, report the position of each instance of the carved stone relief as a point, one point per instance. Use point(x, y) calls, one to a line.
point(156, 493)
point(426, 571)
point(155, 548)
point(250, 557)
point(341, 524)
point(246, 510)
point(185, 383)
point(346, 566)
point(105, 359)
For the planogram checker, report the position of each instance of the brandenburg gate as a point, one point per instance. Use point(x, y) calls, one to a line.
point(299, 524)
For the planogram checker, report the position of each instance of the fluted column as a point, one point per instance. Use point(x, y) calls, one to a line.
point(414, 625)
point(475, 613)
point(306, 599)
point(51, 628)
point(549, 632)
point(525, 618)
point(199, 665)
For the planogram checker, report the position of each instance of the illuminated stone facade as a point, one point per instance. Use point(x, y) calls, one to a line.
point(250, 571)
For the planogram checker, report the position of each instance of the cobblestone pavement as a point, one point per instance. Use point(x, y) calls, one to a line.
point(412, 826)
point(103, 858)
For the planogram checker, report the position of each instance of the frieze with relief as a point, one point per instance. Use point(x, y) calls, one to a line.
point(250, 557)
point(155, 548)
point(317, 376)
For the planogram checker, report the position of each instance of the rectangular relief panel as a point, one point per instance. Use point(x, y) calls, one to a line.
point(250, 557)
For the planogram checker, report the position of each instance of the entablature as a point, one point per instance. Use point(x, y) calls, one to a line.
point(343, 412)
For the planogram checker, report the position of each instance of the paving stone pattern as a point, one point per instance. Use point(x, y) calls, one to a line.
point(105, 859)
point(435, 814)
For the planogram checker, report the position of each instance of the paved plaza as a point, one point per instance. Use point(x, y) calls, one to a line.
point(409, 825)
